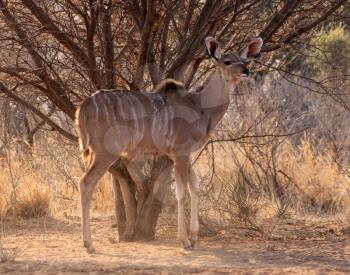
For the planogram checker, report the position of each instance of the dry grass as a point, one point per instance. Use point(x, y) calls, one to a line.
point(243, 186)
point(46, 185)
point(260, 186)
point(4, 205)
point(103, 196)
point(33, 201)
point(321, 185)
point(27, 196)
point(8, 254)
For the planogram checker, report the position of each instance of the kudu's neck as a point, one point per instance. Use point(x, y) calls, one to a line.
point(215, 97)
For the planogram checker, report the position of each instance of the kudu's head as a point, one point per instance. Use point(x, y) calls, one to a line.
point(233, 66)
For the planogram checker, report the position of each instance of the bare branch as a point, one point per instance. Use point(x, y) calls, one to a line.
point(35, 111)
point(277, 21)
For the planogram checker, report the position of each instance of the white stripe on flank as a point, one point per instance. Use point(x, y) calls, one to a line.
point(96, 106)
point(110, 107)
point(143, 117)
point(154, 107)
point(120, 106)
point(171, 124)
point(165, 129)
point(133, 112)
point(105, 107)
point(153, 118)
point(97, 92)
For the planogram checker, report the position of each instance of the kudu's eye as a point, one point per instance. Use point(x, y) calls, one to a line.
point(227, 62)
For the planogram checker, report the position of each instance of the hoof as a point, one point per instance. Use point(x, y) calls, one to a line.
point(188, 245)
point(193, 245)
point(113, 240)
point(91, 250)
point(194, 240)
point(114, 225)
point(89, 247)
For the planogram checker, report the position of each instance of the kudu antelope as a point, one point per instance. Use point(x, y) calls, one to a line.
point(169, 121)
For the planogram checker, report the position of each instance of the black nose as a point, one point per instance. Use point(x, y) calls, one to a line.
point(246, 71)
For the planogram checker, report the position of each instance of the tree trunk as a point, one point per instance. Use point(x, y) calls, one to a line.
point(147, 199)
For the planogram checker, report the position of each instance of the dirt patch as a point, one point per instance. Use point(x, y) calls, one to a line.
point(54, 247)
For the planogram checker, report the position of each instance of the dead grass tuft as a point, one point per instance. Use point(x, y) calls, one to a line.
point(103, 199)
point(8, 254)
point(320, 187)
point(27, 192)
point(4, 206)
point(33, 202)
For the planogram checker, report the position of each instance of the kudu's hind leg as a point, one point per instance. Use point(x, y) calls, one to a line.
point(87, 184)
point(194, 190)
point(182, 169)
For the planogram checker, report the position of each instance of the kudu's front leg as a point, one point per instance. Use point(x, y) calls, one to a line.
point(194, 191)
point(182, 176)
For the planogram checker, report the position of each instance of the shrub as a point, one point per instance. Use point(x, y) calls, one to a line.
point(331, 54)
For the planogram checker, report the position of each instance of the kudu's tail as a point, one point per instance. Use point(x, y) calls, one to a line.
point(80, 122)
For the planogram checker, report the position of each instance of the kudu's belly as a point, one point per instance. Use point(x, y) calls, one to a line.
point(165, 140)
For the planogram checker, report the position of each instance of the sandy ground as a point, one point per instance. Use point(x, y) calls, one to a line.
point(54, 247)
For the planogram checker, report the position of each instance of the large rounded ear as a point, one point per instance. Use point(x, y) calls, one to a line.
point(213, 47)
point(252, 50)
